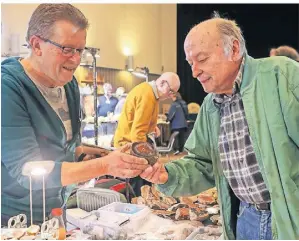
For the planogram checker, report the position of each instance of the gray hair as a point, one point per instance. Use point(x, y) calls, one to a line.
point(45, 16)
point(230, 31)
point(120, 91)
point(288, 52)
point(107, 86)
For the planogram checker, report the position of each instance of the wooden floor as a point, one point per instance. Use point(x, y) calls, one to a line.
point(172, 157)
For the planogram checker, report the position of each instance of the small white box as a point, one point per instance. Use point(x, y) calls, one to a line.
point(137, 214)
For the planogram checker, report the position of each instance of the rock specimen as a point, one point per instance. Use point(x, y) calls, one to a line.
point(145, 150)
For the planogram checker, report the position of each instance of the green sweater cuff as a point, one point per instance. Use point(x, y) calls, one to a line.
point(169, 187)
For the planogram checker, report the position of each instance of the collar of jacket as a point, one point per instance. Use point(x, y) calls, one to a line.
point(249, 72)
point(155, 89)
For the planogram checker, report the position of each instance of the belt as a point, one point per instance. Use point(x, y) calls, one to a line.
point(262, 206)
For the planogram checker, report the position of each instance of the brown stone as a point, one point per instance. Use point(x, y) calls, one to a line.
point(216, 219)
point(169, 200)
point(182, 214)
point(177, 206)
point(206, 199)
point(134, 200)
point(163, 212)
point(146, 192)
point(157, 195)
point(141, 201)
point(197, 214)
point(188, 201)
point(145, 150)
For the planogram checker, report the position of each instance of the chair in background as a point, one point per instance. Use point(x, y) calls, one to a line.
point(193, 109)
point(167, 149)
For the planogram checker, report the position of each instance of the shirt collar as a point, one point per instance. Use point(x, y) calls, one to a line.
point(155, 89)
point(219, 98)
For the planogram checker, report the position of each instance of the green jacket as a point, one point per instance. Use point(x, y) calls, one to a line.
point(270, 94)
point(32, 131)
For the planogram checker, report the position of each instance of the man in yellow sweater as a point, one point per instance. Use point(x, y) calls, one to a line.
point(140, 113)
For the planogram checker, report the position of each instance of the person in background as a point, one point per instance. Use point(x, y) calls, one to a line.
point(285, 51)
point(106, 102)
point(177, 116)
point(140, 114)
point(85, 90)
point(245, 139)
point(106, 106)
point(41, 101)
point(121, 95)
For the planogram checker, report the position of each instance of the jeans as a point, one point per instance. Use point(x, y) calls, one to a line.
point(253, 224)
point(180, 139)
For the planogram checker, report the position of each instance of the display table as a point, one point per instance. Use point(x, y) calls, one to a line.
point(152, 227)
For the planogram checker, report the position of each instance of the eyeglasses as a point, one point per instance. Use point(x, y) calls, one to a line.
point(66, 51)
point(171, 91)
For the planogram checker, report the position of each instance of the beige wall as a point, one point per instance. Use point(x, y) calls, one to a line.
point(148, 30)
point(168, 35)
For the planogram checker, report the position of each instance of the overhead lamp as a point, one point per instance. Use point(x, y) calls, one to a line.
point(37, 169)
point(129, 63)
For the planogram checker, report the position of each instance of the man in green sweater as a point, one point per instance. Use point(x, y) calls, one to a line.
point(40, 116)
point(246, 136)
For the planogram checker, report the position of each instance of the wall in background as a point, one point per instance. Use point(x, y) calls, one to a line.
point(147, 30)
point(117, 78)
point(169, 39)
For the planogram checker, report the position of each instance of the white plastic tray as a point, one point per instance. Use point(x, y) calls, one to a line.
point(137, 214)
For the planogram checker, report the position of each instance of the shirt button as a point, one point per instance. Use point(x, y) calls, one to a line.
point(238, 133)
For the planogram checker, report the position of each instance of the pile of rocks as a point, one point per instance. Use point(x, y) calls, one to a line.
point(196, 208)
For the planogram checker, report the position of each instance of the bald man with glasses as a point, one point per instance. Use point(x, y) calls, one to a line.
point(140, 113)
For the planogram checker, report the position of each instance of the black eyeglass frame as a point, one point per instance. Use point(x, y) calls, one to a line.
point(171, 91)
point(66, 51)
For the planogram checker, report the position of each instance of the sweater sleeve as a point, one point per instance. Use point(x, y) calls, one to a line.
point(193, 173)
point(18, 141)
point(143, 115)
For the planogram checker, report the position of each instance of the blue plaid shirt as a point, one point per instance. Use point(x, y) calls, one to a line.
point(237, 156)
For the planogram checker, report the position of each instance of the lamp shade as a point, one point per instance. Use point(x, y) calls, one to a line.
point(130, 63)
point(141, 72)
point(37, 168)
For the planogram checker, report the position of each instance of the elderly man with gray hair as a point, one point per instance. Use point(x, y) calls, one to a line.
point(41, 121)
point(246, 136)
